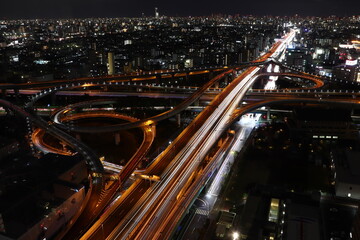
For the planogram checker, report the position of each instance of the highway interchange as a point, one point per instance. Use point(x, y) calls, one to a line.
point(151, 209)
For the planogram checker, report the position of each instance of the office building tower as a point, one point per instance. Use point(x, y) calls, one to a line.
point(110, 64)
point(156, 13)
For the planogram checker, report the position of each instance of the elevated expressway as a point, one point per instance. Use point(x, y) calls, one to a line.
point(147, 90)
point(100, 200)
point(141, 76)
point(151, 210)
point(275, 94)
point(93, 163)
point(60, 113)
point(148, 121)
point(151, 205)
point(182, 151)
point(164, 218)
point(130, 167)
point(132, 77)
point(176, 164)
point(148, 138)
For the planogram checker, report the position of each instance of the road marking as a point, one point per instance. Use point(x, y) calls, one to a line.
point(202, 212)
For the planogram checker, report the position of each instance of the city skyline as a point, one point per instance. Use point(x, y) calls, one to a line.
point(212, 127)
point(82, 9)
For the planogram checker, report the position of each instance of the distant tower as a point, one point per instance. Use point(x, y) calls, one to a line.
point(156, 13)
point(110, 63)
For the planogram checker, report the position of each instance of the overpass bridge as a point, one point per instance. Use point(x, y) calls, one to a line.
point(150, 211)
point(180, 160)
point(217, 113)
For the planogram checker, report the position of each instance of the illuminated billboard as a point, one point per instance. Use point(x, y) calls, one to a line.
point(351, 62)
point(346, 46)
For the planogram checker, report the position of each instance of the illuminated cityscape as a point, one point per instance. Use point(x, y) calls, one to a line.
point(180, 127)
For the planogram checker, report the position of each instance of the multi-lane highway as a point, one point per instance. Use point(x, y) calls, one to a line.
point(153, 214)
point(179, 154)
point(201, 134)
point(150, 209)
point(136, 76)
point(149, 205)
point(91, 159)
point(151, 120)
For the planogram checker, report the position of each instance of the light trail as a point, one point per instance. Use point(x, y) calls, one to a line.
point(188, 159)
point(152, 225)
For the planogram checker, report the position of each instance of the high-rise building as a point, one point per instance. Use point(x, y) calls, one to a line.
point(110, 64)
point(299, 58)
point(350, 71)
point(156, 13)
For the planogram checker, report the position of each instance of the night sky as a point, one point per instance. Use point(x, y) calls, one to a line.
point(15, 9)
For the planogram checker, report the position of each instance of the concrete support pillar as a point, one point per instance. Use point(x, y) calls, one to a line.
point(268, 114)
point(63, 144)
point(178, 119)
point(197, 102)
point(117, 139)
point(262, 82)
